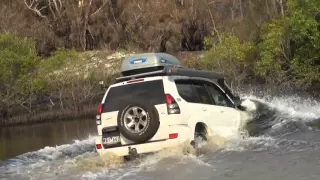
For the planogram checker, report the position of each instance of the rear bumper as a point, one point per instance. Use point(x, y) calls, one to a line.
point(185, 133)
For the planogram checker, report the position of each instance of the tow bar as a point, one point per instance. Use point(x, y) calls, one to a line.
point(133, 154)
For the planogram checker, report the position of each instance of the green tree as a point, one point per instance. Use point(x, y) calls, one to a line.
point(273, 52)
point(57, 72)
point(305, 35)
point(228, 56)
point(289, 49)
point(18, 61)
point(69, 78)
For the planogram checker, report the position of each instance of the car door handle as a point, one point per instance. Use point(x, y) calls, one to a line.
point(204, 109)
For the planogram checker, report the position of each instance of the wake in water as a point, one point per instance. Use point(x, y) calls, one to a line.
point(46, 160)
point(274, 119)
point(281, 116)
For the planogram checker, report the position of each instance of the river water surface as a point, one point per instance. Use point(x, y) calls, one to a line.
point(20, 139)
point(285, 146)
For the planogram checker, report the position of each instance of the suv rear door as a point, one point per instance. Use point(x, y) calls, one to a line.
point(195, 96)
point(149, 89)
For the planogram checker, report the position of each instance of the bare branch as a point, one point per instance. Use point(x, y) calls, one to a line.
point(139, 7)
point(51, 10)
point(213, 23)
point(60, 3)
point(43, 8)
point(56, 6)
point(240, 1)
point(101, 7)
point(282, 8)
point(114, 17)
point(33, 5)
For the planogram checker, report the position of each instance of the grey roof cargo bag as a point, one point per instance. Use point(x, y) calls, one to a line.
point(147, 62)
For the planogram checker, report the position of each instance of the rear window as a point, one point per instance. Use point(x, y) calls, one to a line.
point(152, 91)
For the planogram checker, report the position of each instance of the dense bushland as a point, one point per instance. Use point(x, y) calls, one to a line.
point(47, 72)
point(62, 86)
point(286, 51)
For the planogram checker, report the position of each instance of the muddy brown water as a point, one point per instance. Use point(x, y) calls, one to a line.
point(17, 140)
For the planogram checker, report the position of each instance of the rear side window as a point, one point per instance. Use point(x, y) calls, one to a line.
point(198, 91)
point(187, 92)
point(202, 93)
point(193, 92)
point(152, 91)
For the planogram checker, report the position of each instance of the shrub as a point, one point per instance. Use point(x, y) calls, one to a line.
point(229, 55)
point(18, 60)
point(305, 35)
point(273, 52)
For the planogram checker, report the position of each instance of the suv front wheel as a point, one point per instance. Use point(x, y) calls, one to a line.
point(138, 121)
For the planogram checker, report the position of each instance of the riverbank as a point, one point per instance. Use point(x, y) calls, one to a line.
point(62, 104)
point(56, 69)
point(89, 110)
point(72, 92)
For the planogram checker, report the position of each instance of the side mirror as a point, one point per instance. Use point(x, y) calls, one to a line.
point(237, 101)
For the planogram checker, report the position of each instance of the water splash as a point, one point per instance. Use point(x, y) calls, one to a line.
point(278, 116)
point(99, 163)
point(48, 159)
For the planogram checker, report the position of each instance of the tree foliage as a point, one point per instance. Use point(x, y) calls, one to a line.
point(290, 46)
point(273, 51)
point(287, 49)
point(230, 55)
point(274, 41)
point(305, 35)
point(18, 61)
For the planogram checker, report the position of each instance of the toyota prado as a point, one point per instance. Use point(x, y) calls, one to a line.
point(158, 103)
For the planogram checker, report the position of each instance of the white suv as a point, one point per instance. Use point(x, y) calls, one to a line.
point(158, 103)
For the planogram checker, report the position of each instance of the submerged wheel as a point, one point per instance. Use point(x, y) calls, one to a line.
point(199, 140)
point(200, 136)
point(138, 121)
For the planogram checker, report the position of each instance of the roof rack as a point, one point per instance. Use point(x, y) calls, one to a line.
point(174, 71)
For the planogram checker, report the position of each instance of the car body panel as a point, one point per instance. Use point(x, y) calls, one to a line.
point(184, 135)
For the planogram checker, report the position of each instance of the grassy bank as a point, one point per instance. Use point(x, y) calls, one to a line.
point(61, 87)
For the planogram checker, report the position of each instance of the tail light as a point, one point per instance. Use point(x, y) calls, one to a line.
point(100, 109)
point(173, 136)
point(98, 146)
point(172, 105)
point(98, 117)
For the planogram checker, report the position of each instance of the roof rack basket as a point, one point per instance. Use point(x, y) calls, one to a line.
point(175, 71)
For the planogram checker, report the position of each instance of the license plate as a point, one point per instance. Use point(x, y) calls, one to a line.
point(111, 140)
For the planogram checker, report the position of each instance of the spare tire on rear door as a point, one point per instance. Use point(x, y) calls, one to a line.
point(138, 120)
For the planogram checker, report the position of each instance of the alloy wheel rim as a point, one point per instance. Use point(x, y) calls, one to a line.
point(135, 119)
